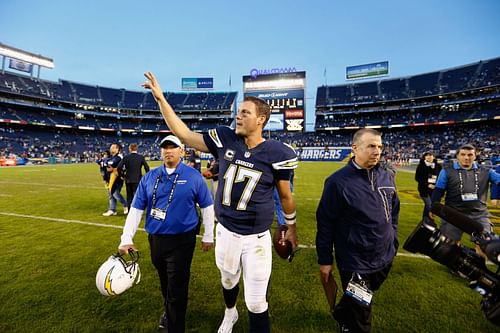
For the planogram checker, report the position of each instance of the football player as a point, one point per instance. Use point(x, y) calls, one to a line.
point(249, 167)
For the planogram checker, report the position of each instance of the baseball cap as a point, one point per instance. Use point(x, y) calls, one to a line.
point(171, 139)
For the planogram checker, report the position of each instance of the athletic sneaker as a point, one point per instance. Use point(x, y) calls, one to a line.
point(343, 328)
point(125, 210)
point(109, 213)
point(230, 318)
point(163, 321)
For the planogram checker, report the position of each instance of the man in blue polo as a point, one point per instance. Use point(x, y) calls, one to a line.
point(466, 186)
point(169, 195)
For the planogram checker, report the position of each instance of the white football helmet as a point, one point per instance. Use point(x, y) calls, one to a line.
point(117, 275)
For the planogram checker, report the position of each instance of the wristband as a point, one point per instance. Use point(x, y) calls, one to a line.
point(290, 218)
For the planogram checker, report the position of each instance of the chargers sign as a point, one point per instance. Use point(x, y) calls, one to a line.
point(337, 154)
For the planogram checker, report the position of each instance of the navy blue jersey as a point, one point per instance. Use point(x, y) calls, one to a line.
point(244, 201)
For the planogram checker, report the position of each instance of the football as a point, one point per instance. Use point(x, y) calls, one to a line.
point(283, 247)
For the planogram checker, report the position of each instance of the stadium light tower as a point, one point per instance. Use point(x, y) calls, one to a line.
point(23, 60)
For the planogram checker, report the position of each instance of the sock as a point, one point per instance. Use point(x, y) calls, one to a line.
point(231, 295)
point(259, 322)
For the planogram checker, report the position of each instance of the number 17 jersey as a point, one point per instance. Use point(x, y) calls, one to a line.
point(244, 200)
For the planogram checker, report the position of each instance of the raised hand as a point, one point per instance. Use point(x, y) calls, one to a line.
point(153, 85)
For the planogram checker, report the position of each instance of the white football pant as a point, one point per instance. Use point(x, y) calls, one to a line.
point(253, 255)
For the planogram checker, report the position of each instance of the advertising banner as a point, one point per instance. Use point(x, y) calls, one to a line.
point(367, 70)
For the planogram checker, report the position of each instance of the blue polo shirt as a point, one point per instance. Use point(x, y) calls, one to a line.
point(181, 216)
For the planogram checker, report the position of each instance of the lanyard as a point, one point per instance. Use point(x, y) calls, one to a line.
point(170, 196)
point(462, 181)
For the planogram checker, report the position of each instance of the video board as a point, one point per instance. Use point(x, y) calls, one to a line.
point(285, 94)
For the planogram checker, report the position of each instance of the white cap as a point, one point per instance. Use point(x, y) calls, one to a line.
point(172, 139)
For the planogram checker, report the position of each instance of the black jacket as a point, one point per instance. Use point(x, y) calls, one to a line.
point(358, 213)
point(423, 174)
point(130, 167)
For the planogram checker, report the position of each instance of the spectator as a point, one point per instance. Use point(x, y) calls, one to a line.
point(115, 182)
point(130, 169)
point(427, 171)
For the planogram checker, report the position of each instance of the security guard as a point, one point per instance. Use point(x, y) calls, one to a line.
point(169, 195)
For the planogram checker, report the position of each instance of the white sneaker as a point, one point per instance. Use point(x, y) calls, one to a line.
point(230, 318)
point(109, 213)
point(125, 210)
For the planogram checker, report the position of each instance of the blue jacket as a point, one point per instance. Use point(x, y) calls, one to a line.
point(181, 214)
point(358, 215)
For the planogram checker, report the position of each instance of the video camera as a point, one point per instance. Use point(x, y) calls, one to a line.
point(428, 239)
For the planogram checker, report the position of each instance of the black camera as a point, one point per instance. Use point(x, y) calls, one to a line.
point(428, 239)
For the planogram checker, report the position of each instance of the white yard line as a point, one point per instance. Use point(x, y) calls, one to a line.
point(55, 219)
point(95, 224)
point(51, 185)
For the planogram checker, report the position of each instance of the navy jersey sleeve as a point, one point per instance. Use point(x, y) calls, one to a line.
point(213, 139)
point(114, 161)
point(284, 161)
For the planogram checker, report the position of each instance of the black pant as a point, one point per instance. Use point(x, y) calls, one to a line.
point(349, 312)
point(131, 188)
point(172, 255)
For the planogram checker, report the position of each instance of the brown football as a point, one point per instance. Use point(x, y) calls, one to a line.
point(283, 247)
point(207, 174)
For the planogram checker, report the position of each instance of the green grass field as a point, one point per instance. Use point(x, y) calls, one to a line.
point(54, 239)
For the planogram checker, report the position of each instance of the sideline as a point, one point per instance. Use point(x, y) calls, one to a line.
point(52, 185)
point(95, 224)
point(55, 219)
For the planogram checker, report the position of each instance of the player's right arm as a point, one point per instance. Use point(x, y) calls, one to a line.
point(175, 123)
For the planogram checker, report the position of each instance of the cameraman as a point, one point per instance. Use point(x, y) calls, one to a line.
point(466, 186)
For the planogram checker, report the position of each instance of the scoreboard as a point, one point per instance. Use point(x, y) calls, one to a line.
point(285, 95)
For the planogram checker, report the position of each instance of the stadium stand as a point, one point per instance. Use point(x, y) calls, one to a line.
point(39, 118)
point(430, 111)
point(437, 111)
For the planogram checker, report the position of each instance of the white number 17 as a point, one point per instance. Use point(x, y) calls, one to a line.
point(237, 174)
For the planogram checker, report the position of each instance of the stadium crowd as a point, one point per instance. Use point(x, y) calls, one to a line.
point(400, 145)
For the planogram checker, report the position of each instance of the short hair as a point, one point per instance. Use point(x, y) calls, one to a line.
point(263, 109)
point(427, 153)
point(356, 138)
point(132, 147)
point(118, 145)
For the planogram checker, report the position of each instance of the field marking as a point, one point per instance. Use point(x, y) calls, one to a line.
point(95, 224)
point(55, 219)
point(51, 185)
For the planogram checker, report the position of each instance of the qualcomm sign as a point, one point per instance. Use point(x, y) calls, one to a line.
point(254, 72)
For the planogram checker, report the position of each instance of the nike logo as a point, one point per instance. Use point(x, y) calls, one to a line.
point(260, 236)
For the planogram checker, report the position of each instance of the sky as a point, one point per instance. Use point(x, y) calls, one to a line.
point(111, 43)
